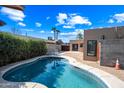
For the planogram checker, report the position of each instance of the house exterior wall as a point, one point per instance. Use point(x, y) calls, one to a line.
point(110, 51)
point(76, 42)
point(95, 34)
point(52, 47)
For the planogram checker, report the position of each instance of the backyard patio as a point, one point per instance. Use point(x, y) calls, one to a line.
point(79, 57)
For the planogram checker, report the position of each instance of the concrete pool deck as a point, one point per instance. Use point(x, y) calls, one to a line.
point(104, 76)
point(110, 80)
point(79, 57)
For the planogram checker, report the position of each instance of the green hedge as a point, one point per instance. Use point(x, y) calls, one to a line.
point(15, 48)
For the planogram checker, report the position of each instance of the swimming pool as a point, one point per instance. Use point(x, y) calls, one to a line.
point(54, 72)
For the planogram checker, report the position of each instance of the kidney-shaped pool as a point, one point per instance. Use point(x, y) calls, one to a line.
point(54, 72)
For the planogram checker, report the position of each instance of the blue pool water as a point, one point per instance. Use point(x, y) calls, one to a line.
point(53, 72)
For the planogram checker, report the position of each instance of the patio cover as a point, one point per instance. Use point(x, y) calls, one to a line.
point(17, 7)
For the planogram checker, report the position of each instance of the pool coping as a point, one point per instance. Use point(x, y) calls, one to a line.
point(110, 80)
point(8, 84)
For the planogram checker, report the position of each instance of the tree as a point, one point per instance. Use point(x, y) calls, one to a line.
point(56, 32)
point(79, 35)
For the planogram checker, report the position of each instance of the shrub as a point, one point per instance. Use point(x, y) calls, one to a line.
point(15, 48)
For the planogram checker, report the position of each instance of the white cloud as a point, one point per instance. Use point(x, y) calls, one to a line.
point(61, 18)
point(68, 33)
point(74, 33)
point(66, 40)
point(15, 18)
point(38, 24)
point(27, 30)
point(68, 26)
point(79, 20)
point(119, 18)
point(79, 31)
point(110, 21)
point(48, 18)
point(42, 31)
point(100, 27)
point(13, 14)
point(73, 14)
point(22, 24)
point(51, 32)
point(70, 20)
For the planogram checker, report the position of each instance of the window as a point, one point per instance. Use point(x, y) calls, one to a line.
point(81, 45)
point(75, 47)
point(91, 47)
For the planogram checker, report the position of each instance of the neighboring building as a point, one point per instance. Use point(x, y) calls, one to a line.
point(53, 47)
point(65, 47)
point(76, 45)
point(50, 38)
point(59, 42)
point(104, 45)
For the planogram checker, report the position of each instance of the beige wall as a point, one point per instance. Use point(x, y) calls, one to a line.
point(95, 34)
point(76, 42)
point(52, 47)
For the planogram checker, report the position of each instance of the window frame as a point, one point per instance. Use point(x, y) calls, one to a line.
point(75, 48)
point(95, 50)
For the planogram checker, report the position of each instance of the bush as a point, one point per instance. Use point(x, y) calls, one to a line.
point(15, 48)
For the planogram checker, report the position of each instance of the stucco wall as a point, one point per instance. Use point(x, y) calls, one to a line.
point(76, 42)
point(53, 48)
point(110, 51)
point(95, 34)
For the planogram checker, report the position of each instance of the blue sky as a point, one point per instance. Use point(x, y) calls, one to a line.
point(37, 21)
